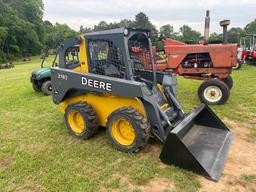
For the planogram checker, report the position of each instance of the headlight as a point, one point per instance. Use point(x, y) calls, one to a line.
point(126, 31)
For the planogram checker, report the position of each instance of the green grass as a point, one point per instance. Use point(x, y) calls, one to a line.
point(248, 178)
point(248, 181)
point(37, 153)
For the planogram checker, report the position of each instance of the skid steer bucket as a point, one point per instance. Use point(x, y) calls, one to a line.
point(200, 142)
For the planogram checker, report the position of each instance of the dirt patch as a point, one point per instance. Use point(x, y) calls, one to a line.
point(5, 162)
point(153, 147)
point(32, 190)
point(241, 160)
point(158, 185)
point(125, 181)
point(154, 185)
point(31, 186)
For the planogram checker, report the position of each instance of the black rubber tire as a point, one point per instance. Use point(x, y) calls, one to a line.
point(217, 83)
point(139, 123)
point(47, 88)
point(36, 88)
point(89, 116)
point(238, 65)
point(229, 82)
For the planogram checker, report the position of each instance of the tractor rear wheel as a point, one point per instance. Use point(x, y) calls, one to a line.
point(127, 129)
point(47, 87)
point(228, 81)
point(213, 92)
point(81, 120)
point(238, 65)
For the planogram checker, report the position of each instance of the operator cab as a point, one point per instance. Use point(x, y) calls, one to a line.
point(120, 53)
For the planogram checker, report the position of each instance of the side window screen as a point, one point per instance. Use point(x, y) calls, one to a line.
point(72, 57)
point(105, 59)
point(139, 52)
point(98, 50)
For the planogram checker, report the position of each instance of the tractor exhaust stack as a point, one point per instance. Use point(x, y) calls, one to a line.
point(225, 24)
point(207, 26)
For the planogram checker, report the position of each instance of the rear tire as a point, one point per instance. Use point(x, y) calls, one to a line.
point(128, 130)
point(238, 65)
point(81, 120)
point(47, 88)
point(228, 81)
point(213, 92)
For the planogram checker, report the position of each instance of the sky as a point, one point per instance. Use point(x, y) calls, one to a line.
point(160, 12)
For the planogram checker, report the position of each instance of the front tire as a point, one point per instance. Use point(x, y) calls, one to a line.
point(127, 129)
point(81, 120)
point(47, 88)
point(35, 87)
point(213, 92)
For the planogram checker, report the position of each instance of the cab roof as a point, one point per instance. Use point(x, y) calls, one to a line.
point(120, 30)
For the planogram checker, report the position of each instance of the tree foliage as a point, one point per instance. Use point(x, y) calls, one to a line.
point(55, 34)
point(141, 21)
point(250, 28)
point(23, 32)
point(167, 31)
point(215, 37)
point(235, 33)
point(188, 34)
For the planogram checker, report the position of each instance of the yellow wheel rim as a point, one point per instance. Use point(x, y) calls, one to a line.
point(76, 122)
point(123, 132)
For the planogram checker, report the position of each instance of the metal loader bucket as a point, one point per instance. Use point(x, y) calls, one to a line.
point(200, 142)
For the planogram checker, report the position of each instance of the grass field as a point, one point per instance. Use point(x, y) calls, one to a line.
point(37, 153)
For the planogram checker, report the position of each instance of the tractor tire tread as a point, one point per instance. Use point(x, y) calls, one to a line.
point(229, 82)
point(89, 114)
point(140, 122)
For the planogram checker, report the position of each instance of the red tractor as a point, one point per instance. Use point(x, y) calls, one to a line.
point(248, 53)
point(211, 63)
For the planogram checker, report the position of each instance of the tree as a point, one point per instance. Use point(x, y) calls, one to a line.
point(126, 23)
point(250, 28)
point(188, 34)
point(3, 36)
point(142, 22)
point(32, 12)
point(57, 33)
point(103, 25)
point(215, 37)
point(21, 36)
point(23, 32)
point(166, 30)
point(234, 34)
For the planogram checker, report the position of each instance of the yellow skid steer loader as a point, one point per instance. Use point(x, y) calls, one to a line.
point(101, 81)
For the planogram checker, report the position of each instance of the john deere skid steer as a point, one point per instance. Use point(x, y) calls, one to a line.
point(107, 85)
